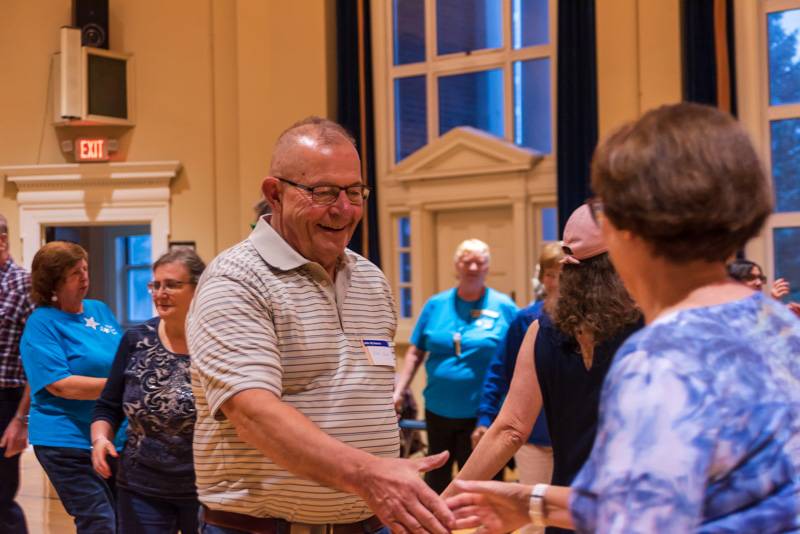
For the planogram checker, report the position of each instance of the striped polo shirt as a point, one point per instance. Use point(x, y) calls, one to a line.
point(265, 317)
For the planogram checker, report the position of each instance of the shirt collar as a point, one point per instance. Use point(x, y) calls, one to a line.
point(5, 267)
point(280, 254)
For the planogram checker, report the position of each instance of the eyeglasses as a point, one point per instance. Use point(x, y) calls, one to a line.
point(325, 195)
point(595, 208)
point(752, 277)
point(168, 285)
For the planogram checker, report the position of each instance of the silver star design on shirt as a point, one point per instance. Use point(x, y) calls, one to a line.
point(91, 323)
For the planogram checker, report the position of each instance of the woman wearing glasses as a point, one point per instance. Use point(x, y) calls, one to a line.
point(150, 384)
point(67, 349)
point(699, 426)
point(459, 329)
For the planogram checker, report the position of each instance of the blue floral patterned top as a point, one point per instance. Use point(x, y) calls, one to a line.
point(699, 426)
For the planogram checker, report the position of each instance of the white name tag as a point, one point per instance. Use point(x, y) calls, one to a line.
point(379, 352)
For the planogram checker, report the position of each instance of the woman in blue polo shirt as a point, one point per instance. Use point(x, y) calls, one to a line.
point(67, 349)
point(460, 329)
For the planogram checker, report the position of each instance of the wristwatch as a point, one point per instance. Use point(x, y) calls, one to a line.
point(536, 509)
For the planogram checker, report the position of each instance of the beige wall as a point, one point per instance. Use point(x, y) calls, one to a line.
point(216, 82)
point(638, 58)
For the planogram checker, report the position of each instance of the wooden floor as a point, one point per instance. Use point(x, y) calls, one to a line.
point(43, 509)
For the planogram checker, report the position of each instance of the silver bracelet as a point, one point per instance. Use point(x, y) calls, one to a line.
point(22, 418)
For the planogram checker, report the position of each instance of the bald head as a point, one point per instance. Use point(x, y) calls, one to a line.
point(311, 132)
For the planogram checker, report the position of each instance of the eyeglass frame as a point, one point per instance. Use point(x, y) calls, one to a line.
point(365, 191)
point(153, 290)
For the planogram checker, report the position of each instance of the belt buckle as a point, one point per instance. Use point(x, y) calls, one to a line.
point(306, 528)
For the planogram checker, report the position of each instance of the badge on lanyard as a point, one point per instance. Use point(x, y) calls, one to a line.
point(379, 351)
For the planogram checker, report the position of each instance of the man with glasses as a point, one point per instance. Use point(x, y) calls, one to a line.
point(291, 337)
point(15, 307)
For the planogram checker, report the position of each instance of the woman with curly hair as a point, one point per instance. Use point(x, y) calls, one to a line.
point(563, 360)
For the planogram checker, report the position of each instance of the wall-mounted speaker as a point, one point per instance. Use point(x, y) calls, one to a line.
point(91, 17)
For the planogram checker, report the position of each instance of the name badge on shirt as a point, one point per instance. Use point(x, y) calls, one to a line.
point(379, 352)
point(486, 319)
point(485, 312)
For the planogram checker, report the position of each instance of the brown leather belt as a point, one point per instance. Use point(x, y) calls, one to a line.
point(274, 525)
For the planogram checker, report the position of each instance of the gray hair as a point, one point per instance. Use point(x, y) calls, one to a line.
point(472, 245)
point(186, 257)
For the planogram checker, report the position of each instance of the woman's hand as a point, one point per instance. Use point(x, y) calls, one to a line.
point(15, 437)
point(496, 507)
point(780, 288)
point(100, 448)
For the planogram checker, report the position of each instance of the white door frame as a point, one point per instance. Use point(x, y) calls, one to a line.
point(92, 194)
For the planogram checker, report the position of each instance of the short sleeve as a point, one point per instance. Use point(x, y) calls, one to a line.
point(418, 335)
point(232, 341)
point(647, 470)
point(43, 356)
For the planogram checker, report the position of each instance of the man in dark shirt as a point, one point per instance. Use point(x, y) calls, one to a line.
point(15, 306)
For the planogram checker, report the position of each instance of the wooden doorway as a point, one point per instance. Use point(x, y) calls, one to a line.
point(491, 225)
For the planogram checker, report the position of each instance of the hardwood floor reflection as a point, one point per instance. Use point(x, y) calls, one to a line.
point(43, 510)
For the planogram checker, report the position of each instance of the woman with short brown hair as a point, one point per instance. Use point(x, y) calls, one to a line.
point(67, 349)
point(700, 415)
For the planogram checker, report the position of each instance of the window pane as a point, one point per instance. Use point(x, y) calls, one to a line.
point(139, 301)
point(404, 229)
point(467, 25)
point(405, 267)
point(410, 115)
point(473, 99)
point(532, 124)
point(549, 224)
point(139, 250)
point(529, 23)
point(783, 28)
point(409, 31)
point(405, 302)
point(786, 164)
point(787, 261)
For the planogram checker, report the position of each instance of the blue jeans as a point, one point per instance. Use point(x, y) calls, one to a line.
point(12, 520)
point(205, 528)
point(86, 496)
point(142, 514)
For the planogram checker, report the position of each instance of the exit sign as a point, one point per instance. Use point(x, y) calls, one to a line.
point(91, 149)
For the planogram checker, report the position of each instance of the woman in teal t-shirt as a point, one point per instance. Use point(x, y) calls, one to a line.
point(67, 349)
point(460, 329)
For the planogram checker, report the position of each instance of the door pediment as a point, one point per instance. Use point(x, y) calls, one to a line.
point(465, 151)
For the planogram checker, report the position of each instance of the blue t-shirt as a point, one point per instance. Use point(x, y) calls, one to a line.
point(56, 345)
point(455, 381)
point(699, 427)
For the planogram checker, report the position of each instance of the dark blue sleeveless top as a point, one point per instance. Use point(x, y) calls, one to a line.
point(571, 393)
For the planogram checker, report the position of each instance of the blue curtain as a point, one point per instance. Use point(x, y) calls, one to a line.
point(700, 56)
point(577, 103)
point(355, 109)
